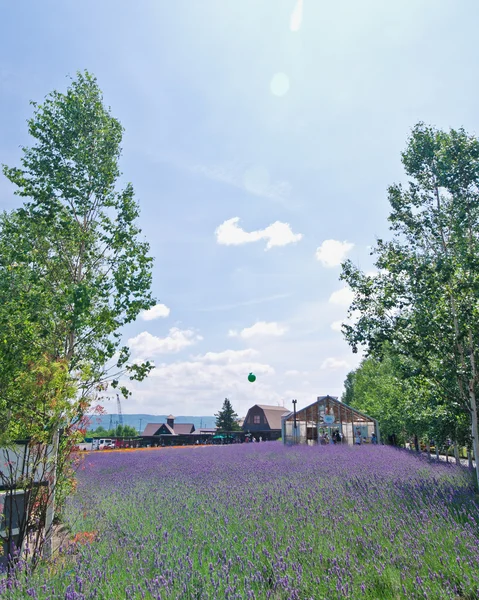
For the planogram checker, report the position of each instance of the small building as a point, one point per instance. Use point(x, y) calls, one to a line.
point(322, 421)
point(174, 434)
point(168, 428)
point(263, 420)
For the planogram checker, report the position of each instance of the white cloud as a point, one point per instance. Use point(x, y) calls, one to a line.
point(296, 373)
point(277, 234)
point(227, 356)
point(336, 325)
point(237, 363)
point(261, 328)
point(349, 320)
point(155, 312)
point(200, 384)
point(332, 253)
point(148, 345)
point(342, 297)
point(334, 363)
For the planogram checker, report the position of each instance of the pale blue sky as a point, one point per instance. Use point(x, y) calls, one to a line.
point(207, 140)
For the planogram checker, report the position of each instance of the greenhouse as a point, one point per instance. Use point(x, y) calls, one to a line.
point(328, 421)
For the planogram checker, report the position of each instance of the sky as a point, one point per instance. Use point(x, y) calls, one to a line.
point(260, 137)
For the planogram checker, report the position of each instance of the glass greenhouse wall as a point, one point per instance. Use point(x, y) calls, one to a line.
point(328, 421)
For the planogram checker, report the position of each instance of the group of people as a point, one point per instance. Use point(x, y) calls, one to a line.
point(358, 440)
point(335, 438)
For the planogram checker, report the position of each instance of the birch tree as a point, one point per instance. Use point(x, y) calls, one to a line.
point(424, 301)
point(74, 269)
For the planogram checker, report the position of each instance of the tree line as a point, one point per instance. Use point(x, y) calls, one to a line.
point(114, 432)
point(417, 317)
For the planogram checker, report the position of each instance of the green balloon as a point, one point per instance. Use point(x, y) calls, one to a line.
point(251, 377)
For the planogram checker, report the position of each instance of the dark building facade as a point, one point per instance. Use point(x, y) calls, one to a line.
point(264, 420)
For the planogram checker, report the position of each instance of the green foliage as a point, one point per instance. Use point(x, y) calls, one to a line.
point(226, 418)
point(74, 269)
point(404, 403)
point(40, 401)
point(118, 431)
point(74, 251)
point(423, 305)
point(375, 389)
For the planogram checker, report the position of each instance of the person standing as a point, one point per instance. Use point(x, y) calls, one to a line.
point(357, 438)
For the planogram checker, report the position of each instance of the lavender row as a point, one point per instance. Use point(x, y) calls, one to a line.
point(265, 521)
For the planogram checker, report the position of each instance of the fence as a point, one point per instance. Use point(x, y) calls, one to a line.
point(21, 467)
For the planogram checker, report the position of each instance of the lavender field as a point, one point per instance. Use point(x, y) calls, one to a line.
point(265, 521)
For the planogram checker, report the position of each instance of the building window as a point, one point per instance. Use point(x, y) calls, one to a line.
point(257, 419)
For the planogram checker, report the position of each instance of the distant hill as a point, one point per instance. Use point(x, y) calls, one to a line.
point(134, 421)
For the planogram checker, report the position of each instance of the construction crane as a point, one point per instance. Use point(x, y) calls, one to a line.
point(120, 416)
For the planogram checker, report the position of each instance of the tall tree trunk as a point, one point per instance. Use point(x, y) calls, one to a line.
point(428, 448)
point(473, 405)
point(469, 460)
point(437, 451)
point(475, 432)
point(416, 443)
point(50, 513)
point(456, 453)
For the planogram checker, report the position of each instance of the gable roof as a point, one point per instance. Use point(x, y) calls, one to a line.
point(179, 428)
point(151, 429)
point(167, 427)
point(182, 428)
point(273, 415)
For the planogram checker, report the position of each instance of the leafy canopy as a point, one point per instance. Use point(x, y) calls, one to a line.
point(423, 304)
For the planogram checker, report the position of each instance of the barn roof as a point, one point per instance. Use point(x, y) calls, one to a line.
point(274, 417)
point(271, 407)
point(168, 427)
point(178, 429)
point(151, 428)
point(272, 414)
point(182, 428)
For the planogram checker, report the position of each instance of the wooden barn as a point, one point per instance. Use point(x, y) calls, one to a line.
point(263, 420)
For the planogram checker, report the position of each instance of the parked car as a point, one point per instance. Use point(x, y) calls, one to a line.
point(102, 444)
